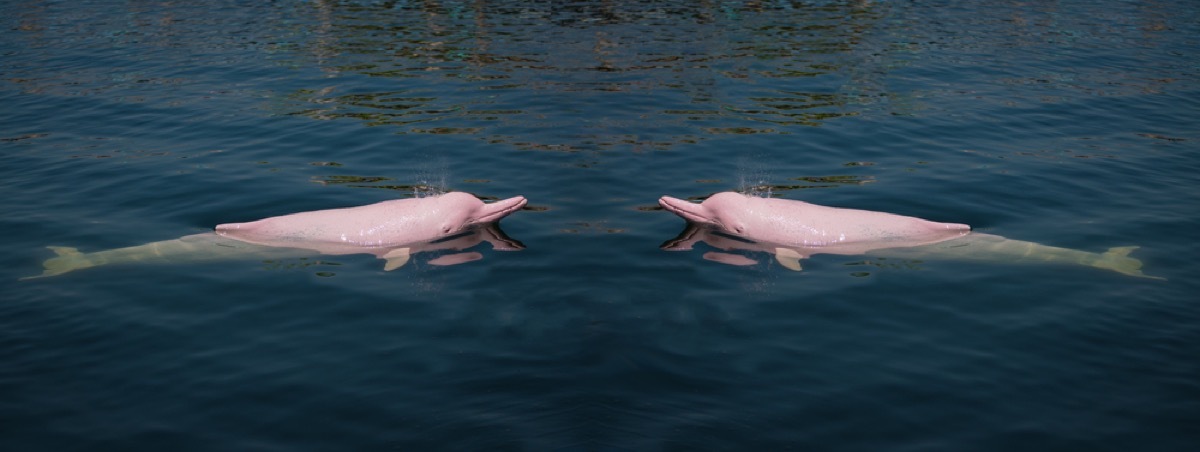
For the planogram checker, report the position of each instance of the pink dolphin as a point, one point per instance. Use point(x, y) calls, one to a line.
point(381, 225)
point(796, 230)
point(821, 229)
point(391, 230)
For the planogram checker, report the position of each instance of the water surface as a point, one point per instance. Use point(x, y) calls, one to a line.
point(1067, 123)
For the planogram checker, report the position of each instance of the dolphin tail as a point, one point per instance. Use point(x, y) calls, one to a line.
point(1117, 259)
point(66, 259)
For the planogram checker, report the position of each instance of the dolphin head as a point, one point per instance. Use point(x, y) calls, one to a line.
point(467, 210)
point(723, 211)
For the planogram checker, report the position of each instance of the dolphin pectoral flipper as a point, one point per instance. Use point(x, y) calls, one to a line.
point(789, 258)
point(396, 258)
point(1117, 259)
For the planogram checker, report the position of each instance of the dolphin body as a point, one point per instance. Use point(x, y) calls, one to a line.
point(794, 230)
point(391, 230)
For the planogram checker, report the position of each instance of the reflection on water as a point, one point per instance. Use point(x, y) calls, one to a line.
point(592, 71)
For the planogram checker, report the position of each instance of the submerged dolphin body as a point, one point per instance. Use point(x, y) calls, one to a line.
point(795, 230)
point(391, 230)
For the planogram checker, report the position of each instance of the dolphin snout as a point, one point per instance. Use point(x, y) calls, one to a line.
point(495, 211)
point(690, 211)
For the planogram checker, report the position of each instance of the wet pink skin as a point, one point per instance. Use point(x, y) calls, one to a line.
point(383, 225)
point(810, 228)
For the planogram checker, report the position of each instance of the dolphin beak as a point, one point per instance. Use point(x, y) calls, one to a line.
point(690, 211)
point(493, 212)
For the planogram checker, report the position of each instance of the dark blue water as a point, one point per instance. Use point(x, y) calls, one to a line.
point(1069, 123)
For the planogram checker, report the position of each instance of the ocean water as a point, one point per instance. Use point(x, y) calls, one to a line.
point(1073, 124)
